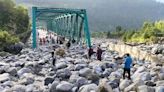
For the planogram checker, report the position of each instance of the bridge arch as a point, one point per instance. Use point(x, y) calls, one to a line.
point(65, 22)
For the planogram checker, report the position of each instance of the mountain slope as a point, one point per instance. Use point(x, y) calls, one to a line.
point(105, 15)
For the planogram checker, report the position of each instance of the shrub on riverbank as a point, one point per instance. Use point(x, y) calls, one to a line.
point(7, 39)
point(149, 33)
point(14, 19)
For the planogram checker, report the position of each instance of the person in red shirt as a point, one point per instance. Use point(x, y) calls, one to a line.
point(40, 41)
point(44, 40)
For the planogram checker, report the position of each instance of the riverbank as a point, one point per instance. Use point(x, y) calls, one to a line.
point(32, 71)
point(152, 53)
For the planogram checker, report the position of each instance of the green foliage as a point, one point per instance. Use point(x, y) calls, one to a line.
point(118, 29)
point(99, 34)
point(149, 33)
point(117, 33)
point(108, 34)
point(7, 39)
point(13, 19)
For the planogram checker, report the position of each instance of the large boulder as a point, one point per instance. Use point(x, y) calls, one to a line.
point(114, 82)
point(53, 86)
point(134, 86)
point(104, 86)
point(48, 80)
point(61, 65)
point(23, 71)
point(73, 78)
point(63, 73)
point(85, 72)
point(18, 88)
point(64, 87)
point(15, 49)
point(160, 83)
point(12, 71)
point(125, 83)
point(98, 70)
point(161, 76)
point(81, 81)
point(150, 83)
point(30, 88)
point(158, 49)
point(145, 88)
point(88, 88)
point(79, 66)
point(27, 81)
point(145, 76)
point(116, 74)
point(140, 69)
point(159, 89)
point(8, 83)
point(4, 77)
point(71, 67)
point(107, 72)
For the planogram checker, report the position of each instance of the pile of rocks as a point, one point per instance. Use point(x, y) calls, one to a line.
point(32, 71)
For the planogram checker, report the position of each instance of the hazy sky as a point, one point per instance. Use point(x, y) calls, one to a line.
point(161, 1)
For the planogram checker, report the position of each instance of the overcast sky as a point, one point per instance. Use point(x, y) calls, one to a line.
point(160, 1)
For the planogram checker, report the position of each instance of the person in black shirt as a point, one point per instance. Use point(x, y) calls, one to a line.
point(90, 52)
point(99, 53)
point(68, 44)
point(53, 58)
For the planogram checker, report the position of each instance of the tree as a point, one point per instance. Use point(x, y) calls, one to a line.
point(108, 34)
point(7, 39)
point(118, 29)
point(14, 19)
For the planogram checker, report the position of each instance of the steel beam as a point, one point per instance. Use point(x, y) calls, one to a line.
point(57, 10)
point(86, 30)
point(34, 43)
point(62, 22)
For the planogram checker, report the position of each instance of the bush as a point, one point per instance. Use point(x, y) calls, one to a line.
point(7, 39)
point(24, 36)
point(14, 19)
point(148, 33)
point(60, 52)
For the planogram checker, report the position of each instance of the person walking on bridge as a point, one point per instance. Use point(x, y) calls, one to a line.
point(127, 66)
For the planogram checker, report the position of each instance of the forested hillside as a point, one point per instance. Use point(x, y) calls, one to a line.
point(14, 23)
point(105, 15)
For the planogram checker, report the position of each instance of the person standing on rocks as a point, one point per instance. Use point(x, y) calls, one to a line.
point(127, 66)
point(99, 53)
point(68, 44)
point(53, 58)
point(90, 52)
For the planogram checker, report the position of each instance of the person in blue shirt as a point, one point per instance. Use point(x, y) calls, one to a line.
point(127, 66)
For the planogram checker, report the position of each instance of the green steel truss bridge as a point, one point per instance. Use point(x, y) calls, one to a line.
point(70, 23)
